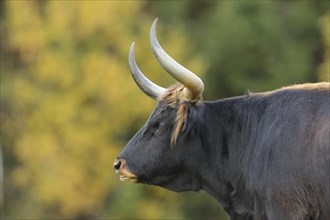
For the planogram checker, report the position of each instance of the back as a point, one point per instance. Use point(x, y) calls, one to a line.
point(292, 149)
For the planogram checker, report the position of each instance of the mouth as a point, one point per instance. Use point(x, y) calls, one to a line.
point(127, 178)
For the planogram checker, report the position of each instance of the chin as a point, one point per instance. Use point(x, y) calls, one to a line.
point(176, 183)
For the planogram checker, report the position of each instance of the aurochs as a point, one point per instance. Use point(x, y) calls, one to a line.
point(261, 156)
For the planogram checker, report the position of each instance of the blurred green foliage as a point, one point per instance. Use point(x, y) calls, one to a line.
point(69, 105)
point(255, 45)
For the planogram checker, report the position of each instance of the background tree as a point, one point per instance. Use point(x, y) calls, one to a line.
point(324, 68)
point(253, 45)
point(68, 103)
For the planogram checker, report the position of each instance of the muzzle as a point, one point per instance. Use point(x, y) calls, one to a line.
point(121, 168)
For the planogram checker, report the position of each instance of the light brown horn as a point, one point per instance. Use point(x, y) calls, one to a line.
point(148, 87)
point(193, 84)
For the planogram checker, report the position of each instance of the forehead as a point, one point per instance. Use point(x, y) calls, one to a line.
point(167, 103)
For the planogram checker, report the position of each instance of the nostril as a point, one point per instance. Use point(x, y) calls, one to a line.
point(117, 165)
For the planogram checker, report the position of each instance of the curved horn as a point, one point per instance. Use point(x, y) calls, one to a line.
point(193, 84)
point(149, 88)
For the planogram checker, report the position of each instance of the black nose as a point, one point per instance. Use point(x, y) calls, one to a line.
point(118, 163)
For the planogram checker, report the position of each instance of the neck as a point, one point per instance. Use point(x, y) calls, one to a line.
point(224, 122)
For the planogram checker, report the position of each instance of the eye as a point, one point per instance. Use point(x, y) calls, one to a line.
point(155, 128)
point(154, 132)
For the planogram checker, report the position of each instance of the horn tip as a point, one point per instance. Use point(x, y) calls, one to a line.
point(154, 24)
point(133, 45)
point(131, 57)
point(131, 50)
point(156, 20)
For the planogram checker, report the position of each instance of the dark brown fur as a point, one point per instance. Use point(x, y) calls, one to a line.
point(261, 155)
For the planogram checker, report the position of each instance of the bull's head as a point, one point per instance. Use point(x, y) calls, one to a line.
point(163, 152)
